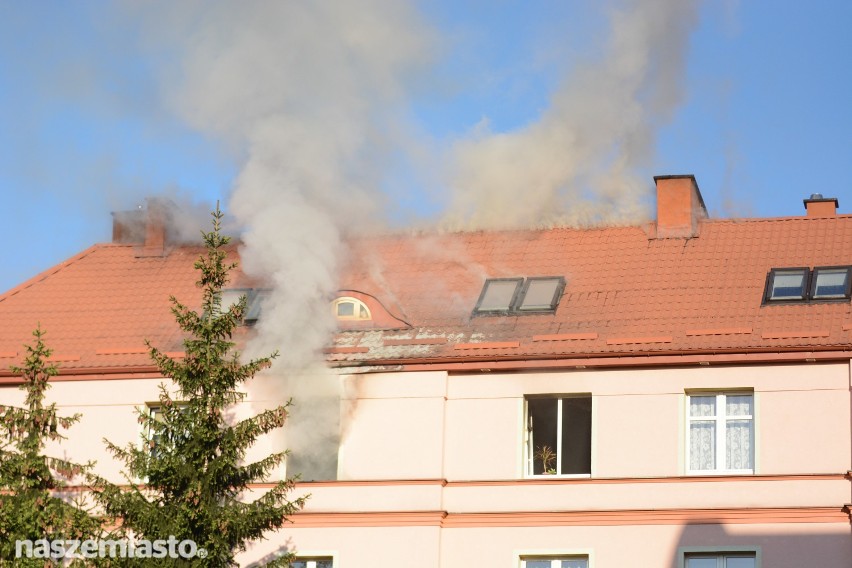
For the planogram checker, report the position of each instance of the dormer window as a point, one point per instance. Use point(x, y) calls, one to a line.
point(351, 309)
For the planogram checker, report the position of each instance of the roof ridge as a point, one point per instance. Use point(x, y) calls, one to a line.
point(50, 271)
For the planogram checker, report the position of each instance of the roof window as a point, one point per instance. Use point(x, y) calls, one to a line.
point(787, 284)
point(351, 309)
point(505, 296)
point(255, 298)
point(831, 283)
point(823, 283)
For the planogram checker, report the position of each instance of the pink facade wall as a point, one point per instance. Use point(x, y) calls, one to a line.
point(462, 436)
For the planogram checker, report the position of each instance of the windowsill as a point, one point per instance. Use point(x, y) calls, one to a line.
point(560, 476)
point(714, 472)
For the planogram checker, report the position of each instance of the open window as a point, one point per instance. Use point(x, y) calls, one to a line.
point(559, 435)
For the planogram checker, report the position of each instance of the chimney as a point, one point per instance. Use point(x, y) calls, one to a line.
point(155, 228)
point(128, 227)
point(818, 206)
point(143, 227)
point(680, 206)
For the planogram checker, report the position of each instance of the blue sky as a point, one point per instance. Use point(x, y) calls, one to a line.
point(766, 118)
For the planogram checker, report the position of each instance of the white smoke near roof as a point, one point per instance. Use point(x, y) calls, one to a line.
point(579, 163)
point(311, 95)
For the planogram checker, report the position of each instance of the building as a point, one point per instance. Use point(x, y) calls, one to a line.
point(673, 394)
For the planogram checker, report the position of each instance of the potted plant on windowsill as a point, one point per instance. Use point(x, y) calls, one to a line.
point(547, 457)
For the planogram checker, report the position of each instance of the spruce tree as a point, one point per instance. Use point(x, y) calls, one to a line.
point(30, 508)
point(189, 480)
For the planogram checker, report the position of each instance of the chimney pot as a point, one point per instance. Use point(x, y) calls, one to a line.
point(819, 206)
point(680, 206)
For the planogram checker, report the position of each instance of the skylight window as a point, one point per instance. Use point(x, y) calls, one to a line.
point(787, 284)
point(831, 283)
point(541, 294)
point(498, 295)
point(512, 296)
point(822, 284)
point(255, 298)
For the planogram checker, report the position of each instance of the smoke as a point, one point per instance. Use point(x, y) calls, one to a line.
point(579, 163)
point(311, 96)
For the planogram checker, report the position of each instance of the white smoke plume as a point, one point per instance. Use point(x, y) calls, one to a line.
point(311, 95)
point(579, 163)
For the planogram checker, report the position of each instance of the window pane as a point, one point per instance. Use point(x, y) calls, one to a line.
point(298, 564)
point(231, 297)
point(579, 563)
point(739, 562)
point(702, 445)
point(540, 294)
point(788, 285)
point(498, 295)
point(576, 435)
point(702, 406)
point(324, 564)
point(706, 562)
point(831, 283)
point(346, 309)
point(738, 444)
point(542, 414)
point(738, 405)
point(537, 564)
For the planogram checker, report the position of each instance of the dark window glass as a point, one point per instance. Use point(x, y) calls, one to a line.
point(576, 435)
point(543, 422)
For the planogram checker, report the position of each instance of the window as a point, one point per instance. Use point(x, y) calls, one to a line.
point(311, 563)
point(830, 283)
point(155, 412)
point(255, 298)
point(498, 295)
point(823, 283)
point(505, 296)
point(555, 562)
point(541, 294)
point(730, 560)
point(720, 432)
point(351, 309)
point(559, 435)
point(787, 284)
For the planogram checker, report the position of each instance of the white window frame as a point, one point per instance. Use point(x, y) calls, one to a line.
point(312, 559)
point(356, 312)
point(721, 428)
point(555, 556)
point(529, 450)
point(720, 552)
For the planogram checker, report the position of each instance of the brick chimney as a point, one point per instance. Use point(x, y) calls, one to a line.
point(680, 206)
point(818, 206)
point(143, 227)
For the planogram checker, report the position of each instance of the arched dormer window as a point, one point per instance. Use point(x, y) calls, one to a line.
point(351, 309)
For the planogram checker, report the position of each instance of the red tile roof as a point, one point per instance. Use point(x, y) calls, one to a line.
point(627, 293)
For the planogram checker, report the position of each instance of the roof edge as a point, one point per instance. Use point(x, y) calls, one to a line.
point(50, 271)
